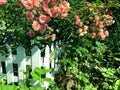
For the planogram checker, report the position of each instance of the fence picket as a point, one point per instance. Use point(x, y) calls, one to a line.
point(36, 58)
point(21, 61)
point(52, 56)
point(9, 66)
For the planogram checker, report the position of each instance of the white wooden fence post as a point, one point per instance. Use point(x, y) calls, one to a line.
point(9, 66)
point(52, 56)
point(21, 61)
point(37, 61)
point(47, 64)
point(36, 58)
point(56, 56)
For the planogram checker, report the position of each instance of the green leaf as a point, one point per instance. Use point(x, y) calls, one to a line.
point(3, 87)
point(117, 59)
point(42, 71)
point(117, 85)
point(35, 76)
point(65, 61)
point(35, 88)
point(47, 79)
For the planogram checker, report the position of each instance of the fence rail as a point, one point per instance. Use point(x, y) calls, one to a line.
point(21, 60)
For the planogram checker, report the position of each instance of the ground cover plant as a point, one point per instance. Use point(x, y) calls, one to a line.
point(87, 29)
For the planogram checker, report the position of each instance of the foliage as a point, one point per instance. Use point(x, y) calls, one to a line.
point(85, 63)
point(37, 75)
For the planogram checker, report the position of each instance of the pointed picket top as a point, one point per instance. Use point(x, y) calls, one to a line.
point(52, 46)
point(21, 50)
point(52, 55)
point(21, 61)
point(36, 58)
point(47, 50)
point(47, 57)
point(8, 48)
point(34, 49)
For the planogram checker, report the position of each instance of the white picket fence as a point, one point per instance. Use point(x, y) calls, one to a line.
point(35, 60)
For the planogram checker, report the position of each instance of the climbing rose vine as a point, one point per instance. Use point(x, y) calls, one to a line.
point(40, 13)
point(96, 23)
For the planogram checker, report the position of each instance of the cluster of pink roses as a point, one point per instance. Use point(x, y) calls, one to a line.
point(40, 12)
point(3, 2)
point(95, 26)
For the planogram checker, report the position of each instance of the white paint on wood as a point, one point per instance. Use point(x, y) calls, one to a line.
point(21, 61)
point(35, 60)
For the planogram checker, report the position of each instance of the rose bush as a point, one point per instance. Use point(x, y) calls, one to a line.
point(87, 60)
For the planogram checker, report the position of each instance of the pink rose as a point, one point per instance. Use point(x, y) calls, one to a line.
point(36, 26)
point(47, 1)
point(30, 16)
point(77, 20)
point(54, 11)
point(42, 28)
point(53, 37)
point(3, 2)
point(31, 33)
point(27, 4)
point(47, 36)
point(63, 10)
point(36, 2)
point(106, 33)
point(44, 19)
point(60, 0)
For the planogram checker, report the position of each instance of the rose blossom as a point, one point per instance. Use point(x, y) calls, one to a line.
point(47, 36)
point(28, 4)
point(102, 35)
point(106, 33)
point(67, 4)
point(54, 11)
point(36, 26)
point(77, 20)
point(30, 16)
point(53, 37)
point(60, 0)
point(3, 2)
point(36, 2)
point(80, 24)
point(47, 1)
point(62, 10)
point(97, 18)
point(93, 35)
point(42, 19)
point(85, 28)
point(31, 33)
point(64, 14)
point(42, 28)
